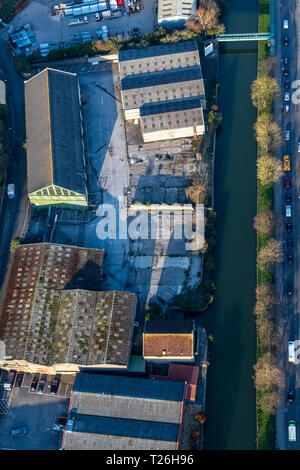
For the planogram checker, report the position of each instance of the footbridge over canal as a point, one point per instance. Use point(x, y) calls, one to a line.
point(243, 37)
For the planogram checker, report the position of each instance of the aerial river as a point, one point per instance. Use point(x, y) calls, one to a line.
point(231, 420)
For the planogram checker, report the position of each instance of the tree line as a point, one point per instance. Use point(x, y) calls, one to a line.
point(267, 376)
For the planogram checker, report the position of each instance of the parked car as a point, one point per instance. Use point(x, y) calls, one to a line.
point(289, 227)
point(287, 135)
point(287, 183)
point(287, 96)
point(288, 211)
point(34, 382)
point(285, 41)
point(291, 351)
point(290, 396)
point(85, 19)
point(287, 107)
point(288, 198)
point(9, 380)
point(42, 384)
point(54, 385)
point(18, 432)
point(290, 260)
point(286, 163)
point(292, 430)
point(286, 61)
point(285, 71)
point(289, 289)
point(285, 24)
point(97, 17)
point(298, 145)
point(19, 379)
point(11, 190)
point(286, 84)
point(289, 243)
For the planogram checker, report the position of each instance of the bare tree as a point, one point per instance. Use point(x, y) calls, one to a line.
point(264, 222)
point(266, 299)
point(270, 335)
point(268, 133)
point(269, 65)
point(196, 192)
point(269, 170)
point(267, 375)
point(200, 417)
point(268, 402)
point(263, 89)
point(270, 254)
point(206, 19)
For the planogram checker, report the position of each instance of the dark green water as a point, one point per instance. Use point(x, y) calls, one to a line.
point(231, 421)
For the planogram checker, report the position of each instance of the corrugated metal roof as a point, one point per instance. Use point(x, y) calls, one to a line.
point(53, 129)
point(162, 77)
point(128, 387)
point(129, 428)
point(124, 413)
point(170, 106)
point(153, 51)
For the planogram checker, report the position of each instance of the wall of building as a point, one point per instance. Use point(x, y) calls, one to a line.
point(173, 133)
point(172, 22)
point(131, 114)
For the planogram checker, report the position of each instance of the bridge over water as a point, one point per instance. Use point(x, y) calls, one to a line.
point(243, 37)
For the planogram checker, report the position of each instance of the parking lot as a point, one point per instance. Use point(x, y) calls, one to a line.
point(37, 410)
point(54, 29)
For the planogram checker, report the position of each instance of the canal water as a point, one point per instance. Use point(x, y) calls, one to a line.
point(231, 419)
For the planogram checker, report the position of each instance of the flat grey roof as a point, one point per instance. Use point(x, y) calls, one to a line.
point(129, 428)
point(84, 441)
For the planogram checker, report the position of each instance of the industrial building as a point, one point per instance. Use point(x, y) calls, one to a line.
point(174, 13)
point(54, 146)
point(182, 373)
point(162, 88)
point(56, 319)
point(169, 341)
point(124, 413)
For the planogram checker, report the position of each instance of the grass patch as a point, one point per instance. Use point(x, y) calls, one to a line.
point(265, 201)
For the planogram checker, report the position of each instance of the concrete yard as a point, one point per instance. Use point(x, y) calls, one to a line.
point(55, 29)
point(158, 263)
point(38, 413)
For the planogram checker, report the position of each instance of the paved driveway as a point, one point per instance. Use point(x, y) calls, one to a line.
point(36, 412)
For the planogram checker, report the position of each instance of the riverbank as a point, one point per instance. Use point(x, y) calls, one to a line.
point(265, 202)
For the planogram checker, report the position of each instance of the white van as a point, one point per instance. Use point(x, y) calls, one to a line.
point(291, 351)
point(285, 24)
point(11, 190)
point(292, 429)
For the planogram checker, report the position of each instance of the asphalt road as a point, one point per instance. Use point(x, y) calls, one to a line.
point(289, 305)
point(17, 165)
